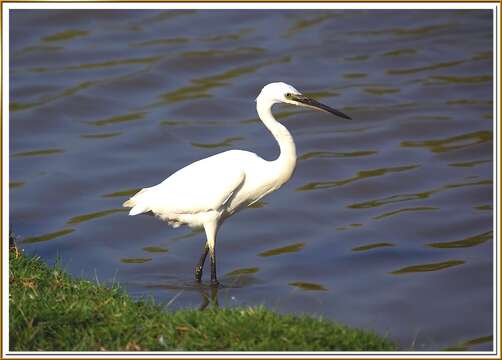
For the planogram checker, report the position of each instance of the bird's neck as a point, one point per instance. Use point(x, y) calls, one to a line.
point(286, 162)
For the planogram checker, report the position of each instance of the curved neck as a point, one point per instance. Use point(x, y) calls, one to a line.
point(286, 161)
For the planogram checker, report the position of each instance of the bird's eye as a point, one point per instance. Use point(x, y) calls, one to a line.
point(288, 95)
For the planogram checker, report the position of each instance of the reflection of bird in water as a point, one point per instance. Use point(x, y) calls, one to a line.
point(209, 298)
point(206, 192)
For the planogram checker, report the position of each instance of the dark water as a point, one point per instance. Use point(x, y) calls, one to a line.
point(387, 222)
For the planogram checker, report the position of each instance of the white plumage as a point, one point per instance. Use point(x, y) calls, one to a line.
point(208, 191)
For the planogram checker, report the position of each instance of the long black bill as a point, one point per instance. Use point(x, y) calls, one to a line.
point(308, 102)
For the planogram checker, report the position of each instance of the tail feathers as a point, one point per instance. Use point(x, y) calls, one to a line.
point(137, 204)
point(129, 203)
point(138, 210)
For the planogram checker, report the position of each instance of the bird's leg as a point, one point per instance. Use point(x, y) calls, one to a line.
point(200, 264)
point(211, 228)
point(214, 280)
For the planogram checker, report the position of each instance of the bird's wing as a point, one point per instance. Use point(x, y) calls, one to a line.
point(204, 185)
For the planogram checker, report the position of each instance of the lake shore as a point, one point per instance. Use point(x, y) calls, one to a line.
point(51, 311)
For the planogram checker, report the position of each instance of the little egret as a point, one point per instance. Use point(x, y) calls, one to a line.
point(206, 192)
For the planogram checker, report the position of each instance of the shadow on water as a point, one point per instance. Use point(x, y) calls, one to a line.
point(209, 297)
point(209, 294)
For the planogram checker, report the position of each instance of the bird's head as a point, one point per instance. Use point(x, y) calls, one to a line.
point(280, 92)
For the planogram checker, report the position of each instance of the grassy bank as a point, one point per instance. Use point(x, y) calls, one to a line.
point(51, 311)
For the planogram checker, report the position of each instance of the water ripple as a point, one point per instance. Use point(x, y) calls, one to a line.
point(101, 135)
point(464, 79)
point(135, 260)
point(360, 176)
point(428, 267)
point(199, 88)
point(425, 68)
point(155, 249)
point(43, 152)
point(94, 215)
point(466, 345)
point(467, 242)
point(400, 52)
point(100, 65)
point(416, 196)
point(65, 35)
point(400, 211)
point(283, 250)
point(381, 90)
point(417, 31)
point(47, 237)
point(120, 193)
point(160, 42)
point(118, 119)
point(228, 37)
point(331, 154)
point(206, 54)
point(372, 246)
point(242, 271)
point(304, 24)
point(453, 142)
point(15, 184)
point(470, 163)
point(227, 142)
point(307, 286)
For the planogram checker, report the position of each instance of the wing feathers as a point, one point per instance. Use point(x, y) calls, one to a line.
point(202, 186)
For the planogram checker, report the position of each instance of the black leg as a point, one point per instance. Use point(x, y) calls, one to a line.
point(214, 280)
point(200, 264)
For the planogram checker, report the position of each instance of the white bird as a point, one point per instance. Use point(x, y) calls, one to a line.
point(206, 192)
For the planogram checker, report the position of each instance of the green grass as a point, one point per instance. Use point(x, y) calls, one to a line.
point(51, 311)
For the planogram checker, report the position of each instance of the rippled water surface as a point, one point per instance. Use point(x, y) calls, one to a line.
point(387, 221)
